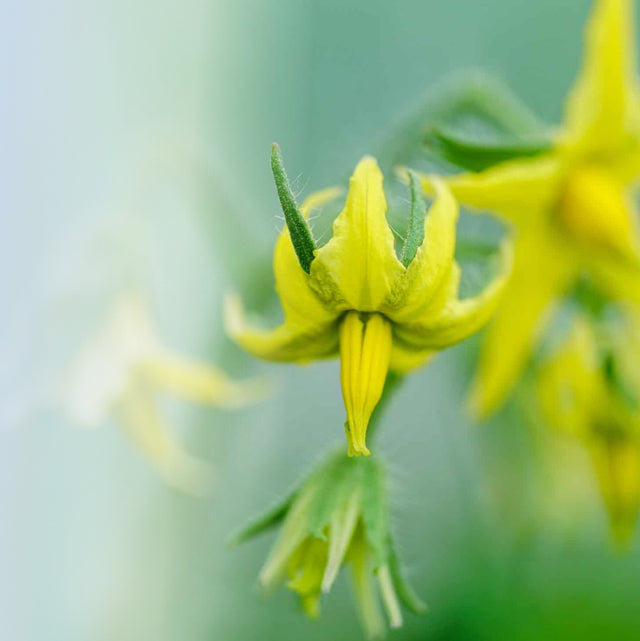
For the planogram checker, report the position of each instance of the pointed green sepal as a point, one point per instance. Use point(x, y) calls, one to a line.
point(405, 592)
point(265, 521)
point(415, 233)
point(334, 477)
point(301, 237)
point(374, 510)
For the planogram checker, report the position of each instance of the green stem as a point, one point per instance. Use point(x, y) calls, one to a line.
point(390, 386)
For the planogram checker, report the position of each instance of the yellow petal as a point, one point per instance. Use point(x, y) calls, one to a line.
point(360, 258)
point(365, 350)
point(289, 342)
point(602, 109)
point(199, 382)
point(518, 190)
point(458, 319)
point(617, 462)
point(300, 303)
point(309, 330)
point(543, 270)
point(405, 358)
point(618, 279)
point(139, 418)
point(415, 290)
point(306, 569)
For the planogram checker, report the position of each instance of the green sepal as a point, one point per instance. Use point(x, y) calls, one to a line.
point(415, 233)
point(405, 592)
point(264, 522)
point(301, 238)
point(333, 479)
point(375, 514)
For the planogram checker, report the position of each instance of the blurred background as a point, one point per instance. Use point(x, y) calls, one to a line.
point(136, 140)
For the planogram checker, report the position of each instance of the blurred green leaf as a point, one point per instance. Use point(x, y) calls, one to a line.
point(472, 121)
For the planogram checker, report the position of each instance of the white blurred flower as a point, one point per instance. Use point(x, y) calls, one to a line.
point(118, 373)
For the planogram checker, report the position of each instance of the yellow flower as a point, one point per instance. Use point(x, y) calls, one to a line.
point(570, 207)
point(356, 298)
point(590, 389)
point(118, 372)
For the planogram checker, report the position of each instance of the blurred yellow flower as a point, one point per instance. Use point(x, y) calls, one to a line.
point(118, 372)
point(590, 389)
point(571, 207)
point(355, 297)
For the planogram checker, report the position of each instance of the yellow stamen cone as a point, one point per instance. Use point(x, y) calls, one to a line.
point(595, 209)
point(365, 350)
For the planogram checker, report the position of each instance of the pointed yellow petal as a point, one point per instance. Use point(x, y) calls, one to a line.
point(140, 420)
point(617, 462)
point(602, 109)
point(309, 330)
point(360, 258)
point(458, 319)
point(405, 358)
point(416, 288)
point(542, 272)
point(300, 303)
point(200, 382)
point(365, 350)
point(516, 189)
point(288, 342)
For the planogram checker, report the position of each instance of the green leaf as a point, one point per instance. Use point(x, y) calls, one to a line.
point(472, 120)
point(481, 122)
point(301, 237)
point(476, 151)
point(265, 521)
point(415, 233)
point(404, 590)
